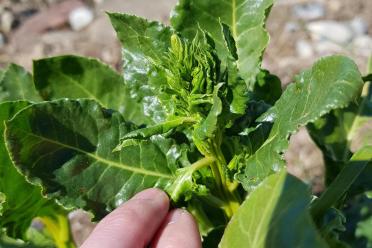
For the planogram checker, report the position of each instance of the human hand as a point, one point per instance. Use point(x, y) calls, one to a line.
point(146, 220)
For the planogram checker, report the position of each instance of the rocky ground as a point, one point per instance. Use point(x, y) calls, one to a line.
point(301, 32)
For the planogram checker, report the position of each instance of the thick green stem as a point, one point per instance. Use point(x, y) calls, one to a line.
point(227, 200)
point(338, 187)
point(225, 189)
point(231, 198)
point(202, 163)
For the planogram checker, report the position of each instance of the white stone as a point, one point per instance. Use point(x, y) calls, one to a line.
point(325, 47)
point(6, 21)
point(309, 11)
point(363, 45)
point(359, 26)
point(304, 49)
point(80, 17)
point(330, 30)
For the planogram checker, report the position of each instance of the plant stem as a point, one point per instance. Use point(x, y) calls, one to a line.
point(229, 203)
point(230, 197)
point(337, 188)
point(202, 163)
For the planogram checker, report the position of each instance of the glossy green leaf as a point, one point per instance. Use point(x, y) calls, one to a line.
point(144, 43)
point(16, 84)
point(67, 147)
point(335, 132)
point(208, 127)
point(146, 133)
point(78, 77)
point(332, 83)
point(274, 215)
point(246, 19)
point(23, 202)
point(229, 41)
point(237, 87)
point(330, 133)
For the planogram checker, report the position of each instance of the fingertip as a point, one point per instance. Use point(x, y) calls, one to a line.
point(153, 194)
point(178, 230)
point(133, 224)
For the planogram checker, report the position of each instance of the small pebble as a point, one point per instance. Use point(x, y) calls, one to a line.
point(309, 11)
point(304, 49)
point(359, 26)
point(80, 18)
point(6, 21)
point(330, 30)
point(291, 27)
point(2, 40)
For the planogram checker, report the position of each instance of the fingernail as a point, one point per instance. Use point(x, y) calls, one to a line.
point(151, 194)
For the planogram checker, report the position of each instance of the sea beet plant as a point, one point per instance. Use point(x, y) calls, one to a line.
point(195, 115)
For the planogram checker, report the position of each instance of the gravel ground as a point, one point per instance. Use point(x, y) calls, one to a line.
point(299, 35)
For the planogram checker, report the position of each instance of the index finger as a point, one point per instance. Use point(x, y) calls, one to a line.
point(133, 224)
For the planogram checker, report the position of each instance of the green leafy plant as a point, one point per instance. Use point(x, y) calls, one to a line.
point(196, 115)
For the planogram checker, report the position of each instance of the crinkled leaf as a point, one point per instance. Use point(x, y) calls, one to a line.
point(207, 128)
point(67, 147)
point(158, 129)
point(20, 198)
point(143, 42)
point(229, 41)
point(78, 77)
point(237, 87)
point(23, 201)
point(332, 83)
point(145, 133)
point(274, 215)
point(246, 19)
point(16, 84)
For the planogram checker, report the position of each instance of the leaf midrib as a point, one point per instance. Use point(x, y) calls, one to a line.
point(233, 21)
point(81, 87)
point(103, 160)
